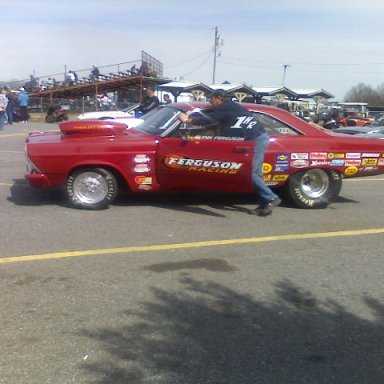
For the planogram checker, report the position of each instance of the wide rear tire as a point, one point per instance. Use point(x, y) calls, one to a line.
point(313, 188)
point(91, 188)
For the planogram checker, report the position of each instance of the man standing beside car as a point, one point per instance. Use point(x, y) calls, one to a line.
point(235, 120)
point(150, 101)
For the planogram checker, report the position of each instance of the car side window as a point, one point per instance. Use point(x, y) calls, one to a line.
point(274, 126)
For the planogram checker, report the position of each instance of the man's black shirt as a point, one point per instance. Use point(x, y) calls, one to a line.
point(232, 119)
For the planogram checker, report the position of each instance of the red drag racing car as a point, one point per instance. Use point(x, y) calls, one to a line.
point(92, 160)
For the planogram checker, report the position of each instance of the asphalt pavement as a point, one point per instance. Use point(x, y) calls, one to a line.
point(187, 288)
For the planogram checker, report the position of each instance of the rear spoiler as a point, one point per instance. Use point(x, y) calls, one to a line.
point(92, 126)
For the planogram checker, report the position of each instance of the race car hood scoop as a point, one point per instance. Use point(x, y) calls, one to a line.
point(93, 127)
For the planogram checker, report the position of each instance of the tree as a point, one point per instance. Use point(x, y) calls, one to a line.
point(365, 93)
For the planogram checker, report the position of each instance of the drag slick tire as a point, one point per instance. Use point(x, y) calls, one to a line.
point(91, 188)
point(314, 188)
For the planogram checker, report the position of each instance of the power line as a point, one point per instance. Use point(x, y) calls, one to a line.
point(189, 60)
point(199, 66)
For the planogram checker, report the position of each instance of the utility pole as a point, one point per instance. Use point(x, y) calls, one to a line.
point(285, 66)
point(216, 52)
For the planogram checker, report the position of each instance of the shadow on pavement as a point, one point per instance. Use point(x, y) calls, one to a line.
point(208, 333)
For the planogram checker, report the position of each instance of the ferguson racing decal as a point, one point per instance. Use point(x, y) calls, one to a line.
point(200, 165)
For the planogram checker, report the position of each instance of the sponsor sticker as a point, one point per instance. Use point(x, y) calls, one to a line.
point(355, 163)
point(336, 163)
point(370, 155)
point(141, 168)
point(336, 155)
point(147, 180)
point(369, 169)
point(281, 167)
point(319, 162)
point(141, 158)
point(144, 187)
point(353, 155)
point(369, 162)
point(282, 158)
point(299, 163)
point(299, 156)
point(267, 178)
point(380, 162)
point(179, 162)
point(267, 168)
point(318, 155)
point(351, 171)
point(279, 177)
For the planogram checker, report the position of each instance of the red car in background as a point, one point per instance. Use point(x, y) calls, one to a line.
point(93, 159)
point(354, 121)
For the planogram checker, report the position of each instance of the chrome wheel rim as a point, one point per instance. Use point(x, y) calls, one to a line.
point(315, 183)
point(90, 188)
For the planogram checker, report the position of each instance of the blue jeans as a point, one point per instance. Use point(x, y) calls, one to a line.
point(262, 190)
point(2, 120)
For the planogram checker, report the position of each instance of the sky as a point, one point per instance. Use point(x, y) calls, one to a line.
point(333, 45)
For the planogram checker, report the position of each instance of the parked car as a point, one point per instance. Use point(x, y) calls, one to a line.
point(368, 131)
point(94, 159)
point(109, 115)
point(373, 130)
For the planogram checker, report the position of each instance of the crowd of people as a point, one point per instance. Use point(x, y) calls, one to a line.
point(13, 106)
point(72, 78)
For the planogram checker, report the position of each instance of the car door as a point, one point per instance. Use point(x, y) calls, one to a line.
point(204, 163)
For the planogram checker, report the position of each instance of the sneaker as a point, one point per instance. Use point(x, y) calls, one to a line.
point(266, 209)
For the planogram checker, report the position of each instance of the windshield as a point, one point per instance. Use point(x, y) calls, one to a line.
point(164, 121)
point(160, 121)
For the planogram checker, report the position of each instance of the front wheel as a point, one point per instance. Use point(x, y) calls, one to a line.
point(314, 188)
point(91, 188)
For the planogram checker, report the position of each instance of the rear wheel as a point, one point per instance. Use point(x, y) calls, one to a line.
point(92, 188)
point(49, 118)
point(314, 188)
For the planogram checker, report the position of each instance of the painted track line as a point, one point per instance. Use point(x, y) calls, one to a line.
point(197, 244)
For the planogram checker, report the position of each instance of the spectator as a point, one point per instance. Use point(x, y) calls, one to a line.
point(144, 69)
point(49, 82)
point(95, 73)
point(167, 99)
point(3, 108)
point(11, 106)
point(23, 99)
point(149, 102)
point(76, 77)
point(70, 78)
point(133, 70)
point(105, 102)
